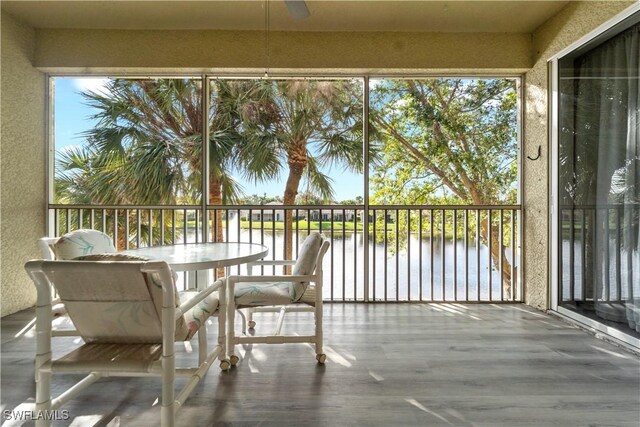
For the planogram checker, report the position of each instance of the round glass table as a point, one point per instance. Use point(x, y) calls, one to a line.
point(203, 256)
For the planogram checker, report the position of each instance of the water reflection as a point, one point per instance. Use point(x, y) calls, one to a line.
point(419, 270)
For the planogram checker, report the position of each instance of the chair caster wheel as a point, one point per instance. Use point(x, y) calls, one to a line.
point(234, 360)
point(252, 324)
point(321, 358)
point(225, 365)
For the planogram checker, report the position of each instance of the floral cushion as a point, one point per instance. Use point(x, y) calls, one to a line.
point(195, 317)
point(263, 293)
point(82, 242)
point(306, 262)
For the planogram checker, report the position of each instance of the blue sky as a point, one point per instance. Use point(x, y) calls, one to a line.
point(72, 118)
point(71, 115)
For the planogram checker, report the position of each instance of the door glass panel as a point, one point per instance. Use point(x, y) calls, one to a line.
point(599, 179)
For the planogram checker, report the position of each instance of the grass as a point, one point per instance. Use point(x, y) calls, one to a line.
point(338, 226)
point(348, 227)
point(301, 225)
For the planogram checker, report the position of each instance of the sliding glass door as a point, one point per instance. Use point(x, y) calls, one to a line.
point(598, 178)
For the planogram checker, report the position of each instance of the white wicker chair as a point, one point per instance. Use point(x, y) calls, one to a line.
point(277, 293)
point(129, 314)
point(71, 245)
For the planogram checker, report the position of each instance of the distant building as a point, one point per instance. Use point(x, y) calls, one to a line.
point(268, 214)
point(336, 215)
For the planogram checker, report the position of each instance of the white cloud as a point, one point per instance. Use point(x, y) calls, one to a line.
point(93, 84)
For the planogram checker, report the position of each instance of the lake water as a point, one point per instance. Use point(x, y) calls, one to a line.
point(405, 280)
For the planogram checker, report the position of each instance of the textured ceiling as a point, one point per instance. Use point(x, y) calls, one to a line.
point(372, 15)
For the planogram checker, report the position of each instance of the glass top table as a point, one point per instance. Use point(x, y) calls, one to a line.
point(203, 256)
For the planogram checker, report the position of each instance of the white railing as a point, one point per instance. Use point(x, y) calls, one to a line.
point(425, 253)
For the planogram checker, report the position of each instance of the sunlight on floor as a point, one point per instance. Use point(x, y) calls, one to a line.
point(530, 312)
point(452, 309)
point(86, 420)
point(425, 409)
point(449, 310)
point(612, 353)
point(94, 420)
point(376, 376)
point(250, 355)
point(456, 414)
point(27, 330)
point(336, 357)
point(551, 324)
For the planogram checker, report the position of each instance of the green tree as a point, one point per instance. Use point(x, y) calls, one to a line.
point(146, 145)
point(143, 149)
point(307, 125)
point(447, 139)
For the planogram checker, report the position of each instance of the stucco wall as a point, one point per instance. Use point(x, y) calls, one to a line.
point(205, 50)
point(22, 163)
point(573, 22)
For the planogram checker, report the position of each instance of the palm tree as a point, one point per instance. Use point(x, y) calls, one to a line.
point(308, 125)
point(146, 145)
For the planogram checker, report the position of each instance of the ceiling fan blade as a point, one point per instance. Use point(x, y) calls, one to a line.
point(297, 9)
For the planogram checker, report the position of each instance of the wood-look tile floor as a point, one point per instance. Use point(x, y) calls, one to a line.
point(388, 365)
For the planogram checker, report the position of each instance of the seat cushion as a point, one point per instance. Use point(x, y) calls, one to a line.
point(82, 242)
point(263, 293)
point(114, 256)
point(117, 256)
point(306, 262)
point(196, 316)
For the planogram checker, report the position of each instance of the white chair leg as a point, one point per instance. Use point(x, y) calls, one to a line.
point(43, 350)
point(202, 344)
point(244, 321)
point(233, 359)
point(250, 321)
point(231, 314)
point(320, 356)
point(167, 410)
point(223, 340)
point(168, 363)
point(283, 312)
point(43, 398)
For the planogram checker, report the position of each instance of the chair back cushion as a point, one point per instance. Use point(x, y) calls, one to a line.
point(306, 262)
point(112, 302)
point(82, 242)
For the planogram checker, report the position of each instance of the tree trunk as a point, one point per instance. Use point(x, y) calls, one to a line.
point(496, 255)
point(215, 199)
point(122, 242)
point(297, 160)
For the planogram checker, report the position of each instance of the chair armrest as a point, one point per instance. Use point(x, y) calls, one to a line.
point(189, 304)
point(273, 262)
point(232, 280)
